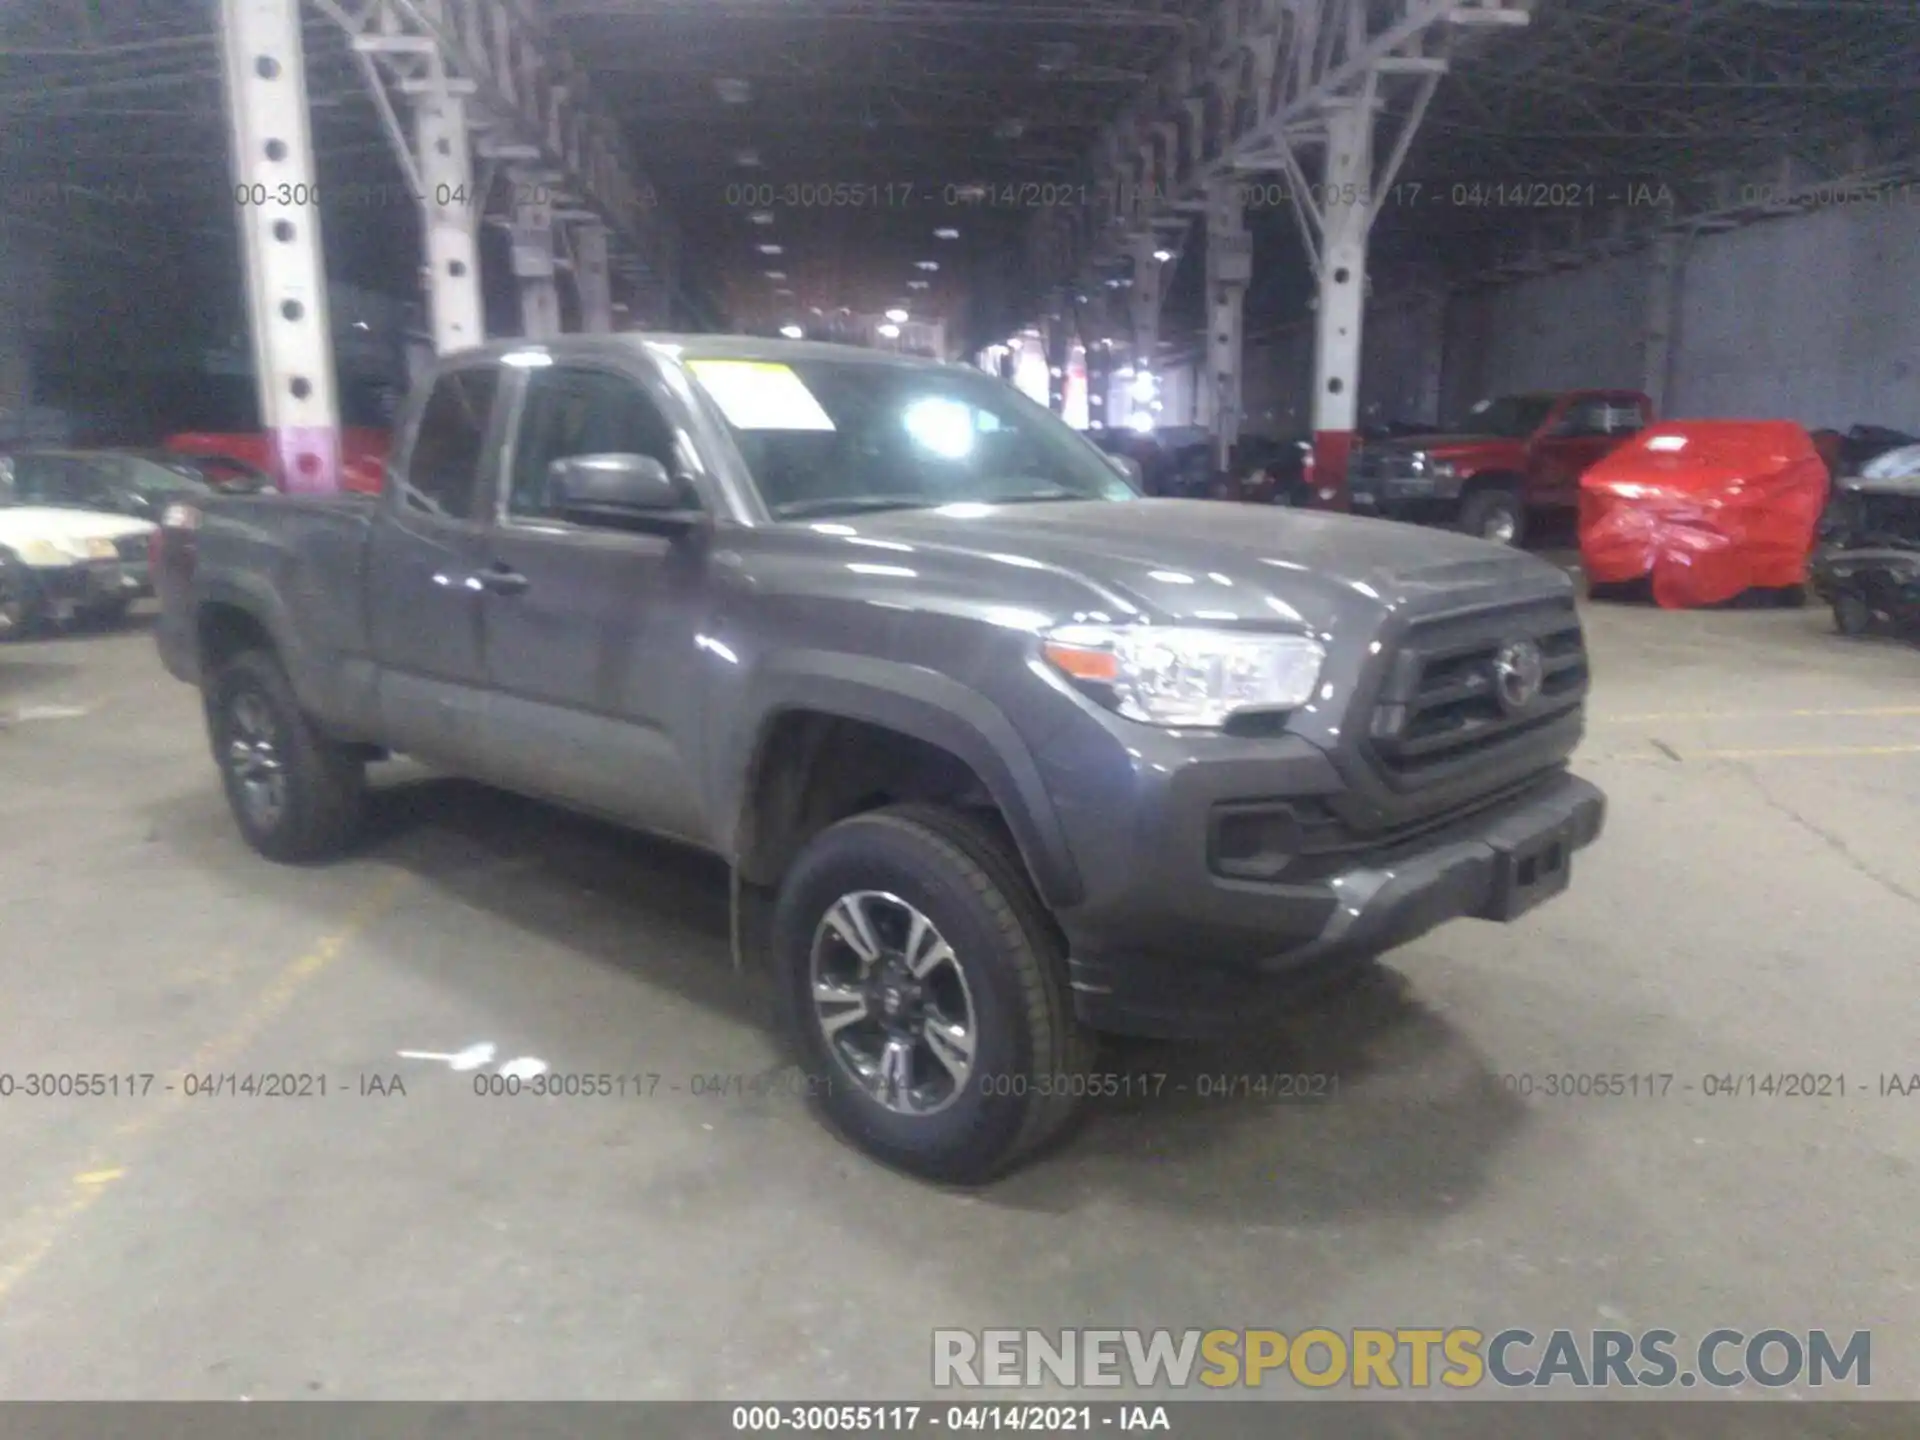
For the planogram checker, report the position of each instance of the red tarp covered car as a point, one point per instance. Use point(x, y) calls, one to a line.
point(1706, 509)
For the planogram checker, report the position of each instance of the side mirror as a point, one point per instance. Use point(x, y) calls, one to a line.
point(1129, 468)
point(618, 489)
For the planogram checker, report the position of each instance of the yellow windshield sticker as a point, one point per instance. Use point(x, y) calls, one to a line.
point(760, 395)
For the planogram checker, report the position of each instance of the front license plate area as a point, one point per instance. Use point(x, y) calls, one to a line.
point(1528, 873)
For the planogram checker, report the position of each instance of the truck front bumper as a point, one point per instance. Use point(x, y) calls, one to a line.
point(1184, 952)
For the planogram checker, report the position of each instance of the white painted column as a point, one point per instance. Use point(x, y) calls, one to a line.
point(271, 139)
point(444, 157)
point(1143, 305)
point(1229, 268)
point(1059, 350)
point(591, 278)
point(533, 263)
point(1347, 212)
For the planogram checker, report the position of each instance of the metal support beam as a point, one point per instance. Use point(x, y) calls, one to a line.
point(533, 263)
point(591, 279)
point(1229, 268)
point(1057, 329)
point(1663, 276)
point(1341, 303)
point(1143, 306)
point(443, 157)
point(286, 283)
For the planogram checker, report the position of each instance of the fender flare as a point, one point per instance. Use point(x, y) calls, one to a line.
point(919, 703)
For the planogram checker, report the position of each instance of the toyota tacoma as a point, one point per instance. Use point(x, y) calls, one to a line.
point(1001, 754)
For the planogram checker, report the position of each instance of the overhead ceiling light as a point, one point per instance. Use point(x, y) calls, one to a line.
point(761, 217)
point(1010, 129)
point(891, 332)
point(783, 291)
point(733, 92)
point(918, 284)
point(898, 317)
point(776, 274)
point(946, 232)
point(771, 250)
point(748, 159)
point(926, 264)
point(1163, 256)
point(793, 332)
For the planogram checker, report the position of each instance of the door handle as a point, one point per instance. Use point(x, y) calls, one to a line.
point(500, 579)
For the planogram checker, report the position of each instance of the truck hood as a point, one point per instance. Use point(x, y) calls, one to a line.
point(1444, 446)
point(1209, 562)
point(20, 524)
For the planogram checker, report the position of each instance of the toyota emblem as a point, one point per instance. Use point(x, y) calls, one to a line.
point(1518, 673)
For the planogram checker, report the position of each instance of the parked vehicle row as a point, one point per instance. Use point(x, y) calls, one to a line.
point(1001, 753)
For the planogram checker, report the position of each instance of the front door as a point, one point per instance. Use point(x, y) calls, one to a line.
point(1578, 439)
point(423, 592)
point(591, 631)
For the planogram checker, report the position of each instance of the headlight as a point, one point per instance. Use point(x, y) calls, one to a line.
point(101, 549)
point(1187, 677)
point(1441, 470)
point(42, 553)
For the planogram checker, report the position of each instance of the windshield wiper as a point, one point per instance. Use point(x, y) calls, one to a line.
point(850, 505)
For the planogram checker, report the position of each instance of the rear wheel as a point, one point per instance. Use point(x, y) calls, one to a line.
point(295, 795)
point(926, 991)
point(1851, 615)
point(1495, 515)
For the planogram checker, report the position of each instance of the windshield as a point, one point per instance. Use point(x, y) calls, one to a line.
point(91, 481)
point(835, 436)
point(1513, 417)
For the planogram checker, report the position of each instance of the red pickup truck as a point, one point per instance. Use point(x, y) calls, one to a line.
point(363, 454)
point(1514, 457)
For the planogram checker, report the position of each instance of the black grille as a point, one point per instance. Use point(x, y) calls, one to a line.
point(1441, 703)
point(132, 548)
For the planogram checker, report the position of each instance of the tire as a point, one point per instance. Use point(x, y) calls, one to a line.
point(1029, 1054)
point(322, 790)
point(1495, 515)
point(1852, 616)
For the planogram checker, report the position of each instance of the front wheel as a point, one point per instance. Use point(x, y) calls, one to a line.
point(20, 608)
point(1496, 515)
point(1852, 616)
point(295, 795)
point(926, 991)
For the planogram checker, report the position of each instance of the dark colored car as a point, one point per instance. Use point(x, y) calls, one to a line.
point(1000, 753)
point(1867, 565)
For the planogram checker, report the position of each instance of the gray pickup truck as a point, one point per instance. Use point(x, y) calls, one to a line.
point(1000, 753)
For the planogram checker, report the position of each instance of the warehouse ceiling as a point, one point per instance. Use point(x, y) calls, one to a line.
point(848, 132)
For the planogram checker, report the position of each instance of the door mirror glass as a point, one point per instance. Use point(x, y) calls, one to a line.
point(611, 488)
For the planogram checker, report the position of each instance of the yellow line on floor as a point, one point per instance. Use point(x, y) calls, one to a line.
point(24, 1245)
point(1649, 719)
point(1803, 752)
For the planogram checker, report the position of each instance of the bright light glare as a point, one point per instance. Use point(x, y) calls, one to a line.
point(1142, 423)
point(1143, 386)
point(943, 426)
point(793, 332)
point(890, 332)
point(946, 233)
point(772, 250)
point(898, 317)
point(1163, 256)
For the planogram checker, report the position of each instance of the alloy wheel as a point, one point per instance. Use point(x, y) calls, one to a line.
point(892, 1003)
point(255, 761)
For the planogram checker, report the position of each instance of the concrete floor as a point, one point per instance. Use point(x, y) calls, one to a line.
point(1752, 909)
